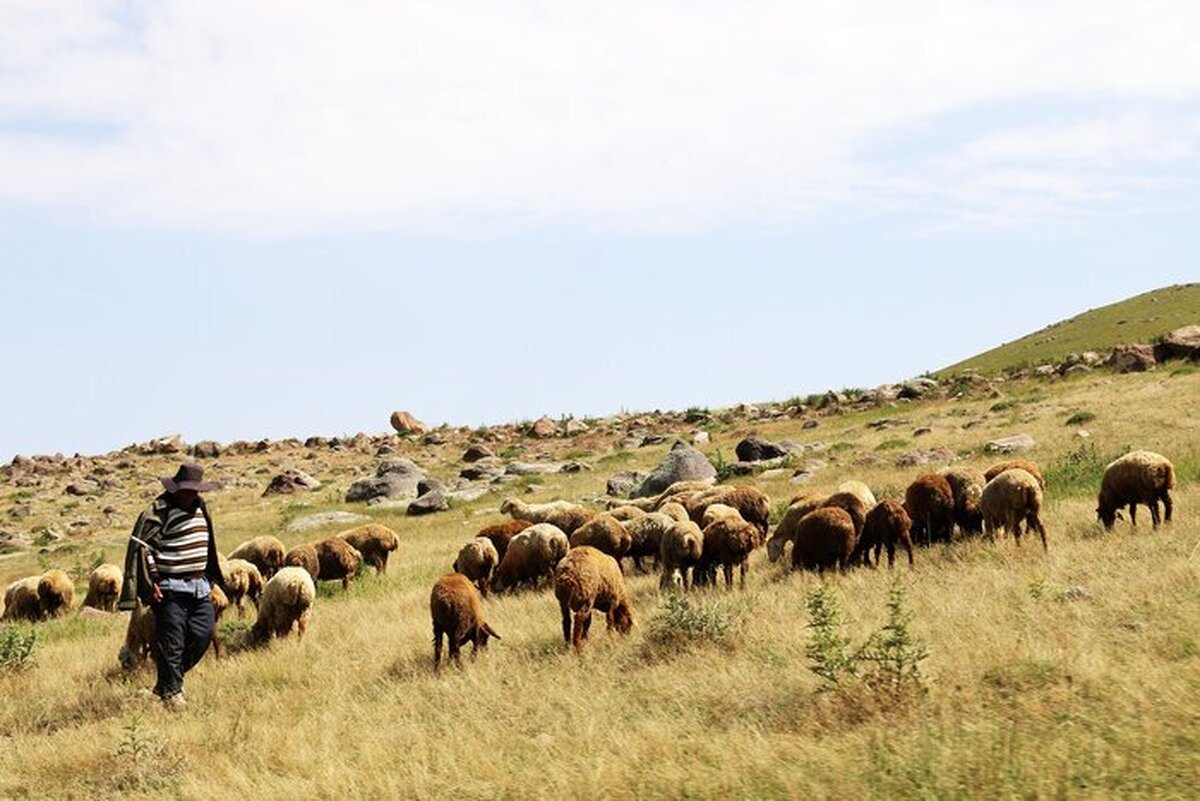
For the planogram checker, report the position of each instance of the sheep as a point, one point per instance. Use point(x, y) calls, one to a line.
point(929, 502)
point(21, 600)
point(141, 638)
point(675, 511)
point(1139, 477)
point(242, 581)
point(728, 542)
point(566, 517)
point(626, 513)
point(457, 613)
point(478, 560)
point(56, 592)
point(785, 532)
point(531, 556)
point(104, 586)
point(861, 490)
point(1012, 497)
point(501, 533)
point(718, 511)
point(266, 553)
point(374, 542)
point(1020, 464)
point(286, 604)
point(854, 506)
point(886, 525)
point(645, 536)
point(751, 502)
point(588, 579)
point(824, 539)
point(605, 533)
point(338, 559)
point(681, 549)
point(304, 556)
point(966, 484)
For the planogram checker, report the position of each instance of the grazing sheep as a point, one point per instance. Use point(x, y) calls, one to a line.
point(1019, 464)
point(1012, 497)
point(56, 592)
point(718, 511)
point(681, 550)
point(728, 542)
point(752, 503)
point(374, 542)
point(242, 581)
point(645, 536)
point(566, 517)
point(626, 513)
point(588, 579)
point(861, 490)
point(531, 556)
point(104, 586)
point(675, 511)
point(457, 613)
point(966, 484)
point(21, 600)
point(929, 502)
point(605, 533)
point(886, 525)
point(501, 533)
point(286, 604)
point(1139, 477)
point(338, 559)
point(854, 506)
point(807, 496)
point(478, 560)
point(266, 553)
point(785, 532)
point(304, 556)
point(141, 639)
point(824, 539)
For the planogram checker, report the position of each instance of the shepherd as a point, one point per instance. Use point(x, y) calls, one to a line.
point(171, 564)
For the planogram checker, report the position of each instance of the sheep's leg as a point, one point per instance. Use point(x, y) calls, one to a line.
point(1035, 523)
point(437, 649)
point(455, 649)
point(301, 626)
point(1166, 501)
point(1154, 518)
point(582, 620)
point(906, 541)
point(566, 622)
point(742, 575)
point(727, 569)
point(1133, 515)
point(345, 582)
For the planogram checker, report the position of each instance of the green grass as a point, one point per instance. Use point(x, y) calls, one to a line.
point(1079, 418)
point(1137, 319)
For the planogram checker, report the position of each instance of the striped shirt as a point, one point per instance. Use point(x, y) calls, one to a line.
point(182, 548)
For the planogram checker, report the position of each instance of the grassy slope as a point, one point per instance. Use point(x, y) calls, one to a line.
point(1073, 672)
point(1138, 319)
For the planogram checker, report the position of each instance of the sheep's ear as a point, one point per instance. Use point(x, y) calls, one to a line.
point(491, 631)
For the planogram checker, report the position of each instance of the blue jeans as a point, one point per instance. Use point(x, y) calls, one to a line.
point(184, 626)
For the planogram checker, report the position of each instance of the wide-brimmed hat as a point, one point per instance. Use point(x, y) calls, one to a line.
point(188, 477)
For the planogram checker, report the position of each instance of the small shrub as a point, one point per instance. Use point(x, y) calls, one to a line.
point(1078, 472)
point(681, 623)
point(841, 447)
point(894, 654)
point(724, 469)
point(828, 649)
point(778, 511)
point(17, 647)
point(892, 444)
point(1186, 369)
point(1004, 405)
point(695, 414)
point(511, 452)
point(1079, 418)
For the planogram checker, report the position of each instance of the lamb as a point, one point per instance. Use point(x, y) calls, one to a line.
point(854, 506)
point(104, 586)
point(751, 502)
point(1012, 497)
point(56, 592)
point(531, 556)
point(861, 490)
point(886, 525)
point(141, 640)
point(785, 532)
point(501, 533)
point(457, 613)
point(566, 517)
point(21, 600)
point(626, 513)
point(304, 556)
point(374, 542)
point(929, 502)
point(286, 604)
point(1141, 477)
point(588, 579)
point(682, 548)
point(1019, 464)
point(605, 533)
point(478, 560)
point(266, 553)
point(824, 539)
point(242, 581)
point(645, 536)
point(728, 542)
point(966, 484)
point(675, 511)
point(338, 559)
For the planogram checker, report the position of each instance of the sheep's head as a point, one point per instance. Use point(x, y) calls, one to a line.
point(1106, 511)
point(507, 506)
point(482, 633)
point(622, 618)
point(775, 548)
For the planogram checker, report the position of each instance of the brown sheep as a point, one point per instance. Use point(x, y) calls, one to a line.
point(752, 503)
point(859, 490)
point(457, 613)
point(785, 532)
point(374, 542)
point(824, 539)
point(1012, 497)
point(681, 549)
point(854, 506)
point(675, 511)
point(966, 484)
point(338, 560)
point(1141, 477)
point(886, 525)
point(728, 542)
point(478, 560)
point(565, 516)
point(242, 581)
point(1019, 464)
point(501, 533)
point(104, 586)
point(645, 536)
point(626, 513)
point(266, 553)
point(588, 579)
point(304, 556)
point(605, 533)
point(21, 600)
point(56, 593)
point(929, 502)
point(531, 557)
point(286, 603)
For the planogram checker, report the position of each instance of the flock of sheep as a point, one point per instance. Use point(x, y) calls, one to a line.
point(692, 530)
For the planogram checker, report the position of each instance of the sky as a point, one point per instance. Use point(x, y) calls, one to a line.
point(238, 220)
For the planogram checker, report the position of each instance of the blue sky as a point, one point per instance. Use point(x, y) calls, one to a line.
point(226, 221)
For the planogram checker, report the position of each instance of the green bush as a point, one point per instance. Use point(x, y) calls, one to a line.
point(828, 649)
point(17, 647)
point(682, 622)
point(892, 444)
point(1079, 418)
point(1078, 472)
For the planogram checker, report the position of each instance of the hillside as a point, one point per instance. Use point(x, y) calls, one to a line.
point(1137, 319)
point(1068, 672)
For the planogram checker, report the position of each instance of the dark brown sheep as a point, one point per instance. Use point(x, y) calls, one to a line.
point(886, 525)
point(338, 559)
point(1141, 477)
point(605, 533)
point(56, 593)
point(728, 542)
point(929, 502)
point(265, 552)
point(966, 483)
point(374, 542)
point(501, 533)
point(588, 579)
point(457, 613)
point(752, 504)
point(304, 556)
point(824, 539)
point(854, 506)
point(1020, 464)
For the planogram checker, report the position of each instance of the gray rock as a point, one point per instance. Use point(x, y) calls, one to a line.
point(430, 502)
point(469, 494)
point(543, 428)
point(396, 478)
point(756, 449)
point(476, 451)
point(575, 467)
point(82, 487)
point(1045, 371)
point(1077, 369)
point(1183, 343)
point(574, 427)
point(482, 470)
point(683, 463)
point(915, 458)
point(1017, 443)
point(922, 431)
point(917, 388)
point(621, 484)
point(700, 437)
point(532, 468)
point(652, 439)
point(326, 519)
point(809, 425)
point(428, 485)
point(1132, 358)
point(291, 481)
point(206, 449)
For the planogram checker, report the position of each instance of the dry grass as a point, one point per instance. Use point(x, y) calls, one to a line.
point(1069, 673)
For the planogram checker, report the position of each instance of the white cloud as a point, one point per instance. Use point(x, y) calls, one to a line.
point(272, 117)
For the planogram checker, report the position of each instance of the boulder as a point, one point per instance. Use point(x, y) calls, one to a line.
point(476, 451)
point(82, 487)
point(1017, 443)
point(396, 478)
point(543, 428)
point(164, 446)
point(406, 424)
point(1183, 343)
point(206, 449)
point(428, 485)
point(683, 463)
point(621, 484)
point(700, 436)
point(755, 449)
point(915, 458)
point(430, 502)
point(917, 388)
point(484, 470)
point(1132, 358)
point(532, 468)
point(574, 427)
point(291, 481)
point(326, 519)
